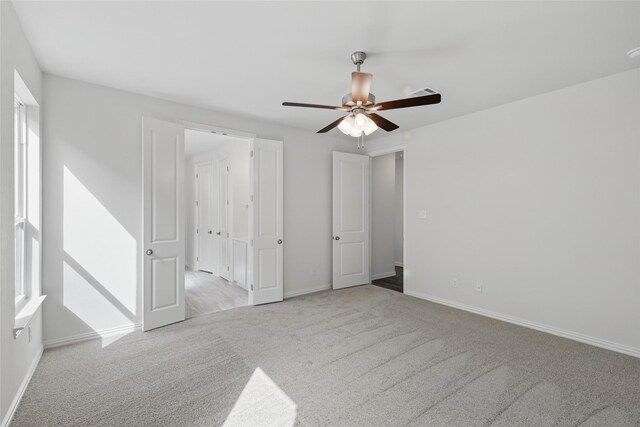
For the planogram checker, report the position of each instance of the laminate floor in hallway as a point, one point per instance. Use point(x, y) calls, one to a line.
point(206, 293)
point(395, 283)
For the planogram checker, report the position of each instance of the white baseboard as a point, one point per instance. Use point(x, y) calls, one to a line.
point(383, 275)
point(87, 336)
point(598, 342)
point(305, 291)
point(399, 264)
point(23, 386)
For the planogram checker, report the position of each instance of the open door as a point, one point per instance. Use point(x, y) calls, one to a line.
point(163, 228)
point(350, 220)
point(265, 223)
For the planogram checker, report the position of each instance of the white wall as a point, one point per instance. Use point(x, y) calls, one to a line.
point(383, 187)
point(95, 133)
point(539, 200)
point(16, 356)
point(399, 209)
point(238, 152)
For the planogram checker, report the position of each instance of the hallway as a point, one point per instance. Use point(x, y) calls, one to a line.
point(206, 293)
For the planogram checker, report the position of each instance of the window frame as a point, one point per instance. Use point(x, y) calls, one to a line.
point(22, 292)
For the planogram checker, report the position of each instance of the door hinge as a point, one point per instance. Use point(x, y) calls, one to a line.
point(197, 259)
point(227, 235)
point(252, 286)
point(227, 168)
point(227, 202)
point(227, 268)
point(252, 197)
point(196, 203)
point(252, 156)
point(251, 242)
point(196, 176)
point(197, 231)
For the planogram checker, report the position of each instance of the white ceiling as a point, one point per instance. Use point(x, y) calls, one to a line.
point(196, 142)
point(246, 58)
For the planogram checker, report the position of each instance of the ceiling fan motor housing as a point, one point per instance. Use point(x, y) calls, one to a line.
point(347, 100)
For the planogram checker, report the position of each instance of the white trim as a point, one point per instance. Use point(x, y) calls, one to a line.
point(87, 336)
point(217, 129)
point(399, 264)
point(23, 387)
point(383, 275)
point(389, 150)
point(597, 342)
point(307, 291)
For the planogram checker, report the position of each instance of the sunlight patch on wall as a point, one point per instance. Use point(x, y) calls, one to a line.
point(102, 247)
point(262, 402)
point(93, 308)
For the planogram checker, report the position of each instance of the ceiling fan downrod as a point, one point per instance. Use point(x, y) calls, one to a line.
point(358, 59)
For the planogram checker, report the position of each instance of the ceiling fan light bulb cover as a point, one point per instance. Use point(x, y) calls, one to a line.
point(361, 121)
point(370, 128)
point(345, 127)
point(356, 133)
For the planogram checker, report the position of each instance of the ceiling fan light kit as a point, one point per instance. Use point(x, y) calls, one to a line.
point(362, 107)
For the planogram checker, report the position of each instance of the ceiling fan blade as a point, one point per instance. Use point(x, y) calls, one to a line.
point(324, 107)
point(331, 126)
point(360, 86)
point(383, 123)
point(407, 102)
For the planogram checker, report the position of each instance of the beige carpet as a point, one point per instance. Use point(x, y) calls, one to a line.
point(363, 356)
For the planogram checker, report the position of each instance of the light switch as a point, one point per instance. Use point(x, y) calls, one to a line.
point(422, 214)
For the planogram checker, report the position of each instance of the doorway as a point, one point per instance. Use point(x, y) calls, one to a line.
point(217, 223)
point(167, 187)
point(387, 220)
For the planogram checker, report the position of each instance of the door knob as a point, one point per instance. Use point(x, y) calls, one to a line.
point(218, 233)
point(210, 232)
point(337, 237)
point(279, 241)
point(149, 252)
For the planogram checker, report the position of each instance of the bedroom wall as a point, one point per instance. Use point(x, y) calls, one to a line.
point(383, 211)
point(18, 357)
point(93, 162)
point(537, 200)
point(399, 212)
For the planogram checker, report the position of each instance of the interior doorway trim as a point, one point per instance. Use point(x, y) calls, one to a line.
point(376, 153)
point(217, 129)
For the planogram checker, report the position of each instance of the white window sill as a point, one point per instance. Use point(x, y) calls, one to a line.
point(26, 313)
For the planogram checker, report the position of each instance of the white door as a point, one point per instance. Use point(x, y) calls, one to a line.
point(163, 228)
point(266, 222)
point(205, 227)
point(223, 218)
point(350, 220)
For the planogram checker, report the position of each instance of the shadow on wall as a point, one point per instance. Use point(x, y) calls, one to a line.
point(99, 271)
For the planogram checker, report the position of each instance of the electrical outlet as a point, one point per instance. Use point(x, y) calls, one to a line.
point(455, 283)
point(478, 286)
point(422, 214)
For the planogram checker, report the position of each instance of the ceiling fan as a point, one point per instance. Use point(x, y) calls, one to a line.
point(362, 107)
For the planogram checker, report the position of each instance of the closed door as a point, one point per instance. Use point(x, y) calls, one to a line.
point(266, 223)
point(350, 220)
point(205, 226)
point(223, 232)
point(163, 228)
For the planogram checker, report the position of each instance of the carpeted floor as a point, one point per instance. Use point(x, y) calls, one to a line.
point(362, 356)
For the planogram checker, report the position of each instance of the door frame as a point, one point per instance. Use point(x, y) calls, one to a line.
point(248, 136)
point(377, 153)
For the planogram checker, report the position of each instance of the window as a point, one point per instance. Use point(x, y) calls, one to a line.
point(20, 184)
